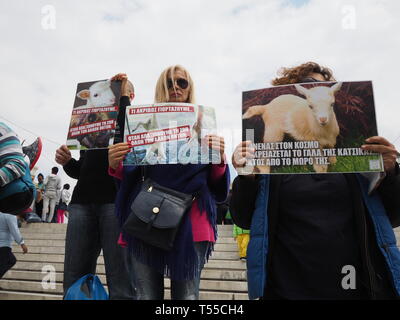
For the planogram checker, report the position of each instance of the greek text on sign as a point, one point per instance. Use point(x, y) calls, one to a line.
point(161, 109)
point(91, 128)
point(95, 110)
point(164, 135)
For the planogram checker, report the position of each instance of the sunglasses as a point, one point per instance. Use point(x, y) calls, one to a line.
point(180, 82)
point(305, 80)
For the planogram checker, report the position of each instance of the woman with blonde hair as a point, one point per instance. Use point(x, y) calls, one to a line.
point(197, 232)
point(183, 91)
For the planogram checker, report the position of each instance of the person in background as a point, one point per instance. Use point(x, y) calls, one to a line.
point(228, 218)
point(8, 232)
point(242, 237)
point(39, 194)
point(12, 163)
point(65, 197)
point(222, 210)
point(92, 225)
point(198, 230)
point(223, 214)
point(52, 185)
point(14, 173)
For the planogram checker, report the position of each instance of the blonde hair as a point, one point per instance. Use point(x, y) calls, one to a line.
point(162, 94)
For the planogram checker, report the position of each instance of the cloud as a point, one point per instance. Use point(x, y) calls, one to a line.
point(228, 46)
point(297, 3)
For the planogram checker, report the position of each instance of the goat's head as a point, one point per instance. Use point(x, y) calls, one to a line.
point(99, 94)
point(320, 100)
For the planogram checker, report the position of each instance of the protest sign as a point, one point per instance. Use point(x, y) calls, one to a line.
point(169, 133)
point(310, 128)
point(94, 114)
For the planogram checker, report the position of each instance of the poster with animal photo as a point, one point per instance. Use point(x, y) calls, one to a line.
point(169, 133)
point(94, 115)
point(314, 127)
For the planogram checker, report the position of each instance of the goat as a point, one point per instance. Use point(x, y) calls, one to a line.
point(98, 95)
point(310, 119)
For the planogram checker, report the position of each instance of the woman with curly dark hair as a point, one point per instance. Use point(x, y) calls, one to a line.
point(319, 236)
point(303, 73)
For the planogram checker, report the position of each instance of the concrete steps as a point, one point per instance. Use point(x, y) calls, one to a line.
point(22, 280)
point(37, 257)
point(37, 247)
point(223, 278)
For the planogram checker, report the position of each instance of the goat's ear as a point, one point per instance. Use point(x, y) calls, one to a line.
point(336, 87)
point(301, 90)
point(83, 94)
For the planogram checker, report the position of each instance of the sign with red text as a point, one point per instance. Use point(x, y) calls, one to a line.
point(93, 119)
point(169, 133)
point(316, 127)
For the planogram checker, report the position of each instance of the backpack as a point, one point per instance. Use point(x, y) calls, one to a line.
point(89, 287)
point(18, 195)
point(32, 217)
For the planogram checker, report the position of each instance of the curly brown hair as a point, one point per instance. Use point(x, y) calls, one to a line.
point(296, 74)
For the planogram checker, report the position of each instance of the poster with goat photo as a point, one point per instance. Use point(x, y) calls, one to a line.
point(169, 133)
point(94, 115)
point(316, 127)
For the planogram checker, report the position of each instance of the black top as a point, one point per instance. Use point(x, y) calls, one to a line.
point(375, 273)
point(315, 238)
point(94, 184)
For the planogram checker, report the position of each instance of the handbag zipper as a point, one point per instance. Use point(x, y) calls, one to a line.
point(150, 189)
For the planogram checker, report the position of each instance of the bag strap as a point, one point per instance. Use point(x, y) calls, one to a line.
point(143, 169)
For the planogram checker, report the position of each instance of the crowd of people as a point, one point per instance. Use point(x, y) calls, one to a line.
point(296, 232)
point(52, 198)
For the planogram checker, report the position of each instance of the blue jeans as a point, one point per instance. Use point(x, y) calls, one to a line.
point(91, 228)
point(150, 283)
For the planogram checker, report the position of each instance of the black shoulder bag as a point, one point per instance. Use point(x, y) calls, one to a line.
point(156, 214)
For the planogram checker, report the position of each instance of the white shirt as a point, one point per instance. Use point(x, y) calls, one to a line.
point(9, 230)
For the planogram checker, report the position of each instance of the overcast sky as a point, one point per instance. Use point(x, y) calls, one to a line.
point(230, 46)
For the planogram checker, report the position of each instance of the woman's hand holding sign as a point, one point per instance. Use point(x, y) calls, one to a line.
point(389, 153)
point(216, 143)
point(242, 152)
point(63, 155)
point(117, 153)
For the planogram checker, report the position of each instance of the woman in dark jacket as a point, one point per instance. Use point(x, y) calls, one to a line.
point(314, 234)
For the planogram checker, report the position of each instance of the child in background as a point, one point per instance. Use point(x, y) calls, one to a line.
point(242, 237)
point(63, 206)
point(228, 218)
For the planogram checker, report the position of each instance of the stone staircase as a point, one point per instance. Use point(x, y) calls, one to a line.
point(223, 277)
